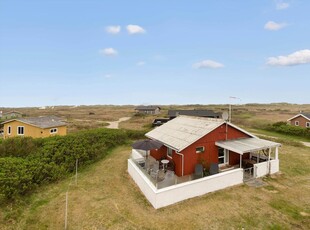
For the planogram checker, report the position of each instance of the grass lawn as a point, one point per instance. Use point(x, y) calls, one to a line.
point(107, 198)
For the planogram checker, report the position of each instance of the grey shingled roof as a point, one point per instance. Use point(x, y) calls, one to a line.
point(41, 122)
point(148, 107)
point(195, 112)
point(306, 115)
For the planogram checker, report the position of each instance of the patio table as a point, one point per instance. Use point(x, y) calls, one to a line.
point(165, 162)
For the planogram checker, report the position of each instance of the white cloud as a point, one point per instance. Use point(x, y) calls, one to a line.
point(271, 25)
point(108, 76)
point(208, 64)
point(108, 52)
point(297, 58)
point(280, 5)
point(140, 63)
point(135, 29)
point(113, 29)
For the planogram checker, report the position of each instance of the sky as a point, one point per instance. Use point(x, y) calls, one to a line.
point(87, 52)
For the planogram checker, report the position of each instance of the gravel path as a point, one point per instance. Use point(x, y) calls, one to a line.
point(114, 124)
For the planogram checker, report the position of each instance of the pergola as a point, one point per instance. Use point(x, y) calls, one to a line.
point(249, 145)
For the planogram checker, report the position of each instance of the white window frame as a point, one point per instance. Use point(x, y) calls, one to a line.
point(308, 124)
point(168, 151)
point(9, 128)
point(296, 123)
point(225, 157)
point(201, 151)
point(53, 130)
point(23, 130)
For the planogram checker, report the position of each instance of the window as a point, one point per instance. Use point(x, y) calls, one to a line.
point(297, 123)
point(9, 130)
point(200, 149)
point(308, 124)
point(53, 130)
point(222, 156)
point(169, 152)
point(20, 130)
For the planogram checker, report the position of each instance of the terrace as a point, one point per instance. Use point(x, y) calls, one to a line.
point(163, 187)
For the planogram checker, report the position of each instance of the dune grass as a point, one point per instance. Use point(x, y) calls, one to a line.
point(107, 198)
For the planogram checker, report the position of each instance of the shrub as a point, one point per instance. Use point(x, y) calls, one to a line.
point(26, 163)
point(283, 127)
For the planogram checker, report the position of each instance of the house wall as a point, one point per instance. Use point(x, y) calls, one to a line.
point(234, 158)
point(31, 131)
point(302, 121)
point(210, 155)
point(162, 153)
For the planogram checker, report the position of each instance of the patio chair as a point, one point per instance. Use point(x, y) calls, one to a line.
point(170, 166)
point(154, 170)
point(198, 171)
point(214, 168)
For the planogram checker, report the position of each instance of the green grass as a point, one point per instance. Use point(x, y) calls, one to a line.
point(287, 208)
point(278, 135)
point(106, 197)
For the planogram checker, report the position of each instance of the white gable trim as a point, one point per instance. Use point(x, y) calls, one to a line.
point(298, 116)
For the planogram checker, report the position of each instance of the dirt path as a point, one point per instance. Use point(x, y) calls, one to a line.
point(114, 124)
point(306, 143)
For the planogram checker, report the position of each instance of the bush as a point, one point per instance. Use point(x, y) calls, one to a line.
point(26, 163)
point(283, 127)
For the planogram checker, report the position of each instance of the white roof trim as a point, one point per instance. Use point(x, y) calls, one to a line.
point(298, 116)
point(242, 130)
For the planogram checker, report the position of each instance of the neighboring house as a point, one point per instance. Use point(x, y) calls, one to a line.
point(301, 119)
point(34, 127)
point(11, 115)
point(150, 109)
point(228, 154)
point(196, 112)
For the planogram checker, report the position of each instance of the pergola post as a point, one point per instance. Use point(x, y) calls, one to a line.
point(277, 153)
point(269, 164)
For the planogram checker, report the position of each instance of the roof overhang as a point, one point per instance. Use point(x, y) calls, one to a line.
point(246, 145)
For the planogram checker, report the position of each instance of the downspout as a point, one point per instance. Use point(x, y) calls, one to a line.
point(182, 155)
point(226, 130)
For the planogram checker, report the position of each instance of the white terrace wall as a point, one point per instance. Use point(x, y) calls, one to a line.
point(173, 194)
point(274, 164)
point(262, 169)
point(143, 182)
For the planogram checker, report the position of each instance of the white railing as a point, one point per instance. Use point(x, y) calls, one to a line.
point(175, 193)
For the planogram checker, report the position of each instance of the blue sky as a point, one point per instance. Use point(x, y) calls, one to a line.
point(72, 52)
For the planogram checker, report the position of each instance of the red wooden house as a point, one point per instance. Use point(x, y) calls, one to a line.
point(188, 141)
point(301, 119)
point(229, 155)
